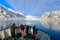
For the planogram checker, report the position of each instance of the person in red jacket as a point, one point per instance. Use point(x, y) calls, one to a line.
point(21, 27)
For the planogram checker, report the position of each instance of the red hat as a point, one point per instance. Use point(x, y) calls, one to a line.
point(21, 25)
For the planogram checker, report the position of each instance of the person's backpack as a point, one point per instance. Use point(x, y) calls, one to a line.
point(34, 36)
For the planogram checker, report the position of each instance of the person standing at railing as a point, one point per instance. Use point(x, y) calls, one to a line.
point(34, 32)
point(13, 30)
point(27, 29)
point(34, 28)
point(22, 29)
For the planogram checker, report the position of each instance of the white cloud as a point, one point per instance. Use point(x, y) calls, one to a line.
point(30, 17)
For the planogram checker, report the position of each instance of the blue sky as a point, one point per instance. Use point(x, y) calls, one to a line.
point(32, 7)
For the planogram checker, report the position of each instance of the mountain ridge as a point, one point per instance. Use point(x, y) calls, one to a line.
point(9, 13)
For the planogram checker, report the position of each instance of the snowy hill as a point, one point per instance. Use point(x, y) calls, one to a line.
point(9, 13)
point(51, 20)
point(53, 14)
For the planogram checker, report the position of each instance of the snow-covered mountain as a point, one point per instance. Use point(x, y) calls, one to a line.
point(51, 20)
point(6, 13)
point(9, 13)
point(53, 14)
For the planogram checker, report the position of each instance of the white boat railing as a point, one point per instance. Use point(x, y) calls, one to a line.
point(2, 34)
point(7, 33)
point(40, 34)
